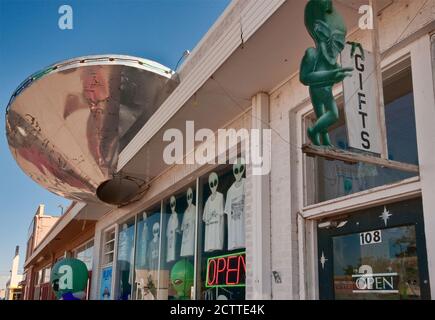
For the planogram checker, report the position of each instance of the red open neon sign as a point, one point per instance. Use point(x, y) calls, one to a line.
point(226, 271)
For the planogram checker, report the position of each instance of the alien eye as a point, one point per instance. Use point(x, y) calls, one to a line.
point(177, 282)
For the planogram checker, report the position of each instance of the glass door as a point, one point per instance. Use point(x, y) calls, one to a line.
point(378, 254)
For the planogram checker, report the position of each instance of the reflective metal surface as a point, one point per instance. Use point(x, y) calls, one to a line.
point(67, 124)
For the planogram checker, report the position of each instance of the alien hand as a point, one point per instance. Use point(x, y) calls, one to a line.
point(341, 74)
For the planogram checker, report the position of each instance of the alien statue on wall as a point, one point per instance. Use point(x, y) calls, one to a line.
point(319, 68)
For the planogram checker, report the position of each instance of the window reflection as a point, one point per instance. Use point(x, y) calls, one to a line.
point(147, 255)
point(85, 254)
point(178, 245)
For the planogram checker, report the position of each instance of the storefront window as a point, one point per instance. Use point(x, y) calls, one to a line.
point(181, 249)
point(40, 277)
point(85, 254)
point(125, 260)
point(147, 255)
point(222, 234)
point(333, 179)
point(178, 246)
point(46, 274)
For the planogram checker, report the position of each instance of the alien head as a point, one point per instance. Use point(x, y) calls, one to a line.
point(69, 278)
point(239, 168)
point(189, 196)
point(182, 278)
point(156, 230)
point(326, 27)
point(173, 203)
point(213, 182)
point(326, 5)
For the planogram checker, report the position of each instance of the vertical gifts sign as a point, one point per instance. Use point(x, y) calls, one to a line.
point(361, 102)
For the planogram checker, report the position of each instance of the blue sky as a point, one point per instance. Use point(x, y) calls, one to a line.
point(30, 39)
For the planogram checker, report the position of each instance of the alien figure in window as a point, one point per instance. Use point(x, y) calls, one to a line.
point(182, 279)
point(319, 68)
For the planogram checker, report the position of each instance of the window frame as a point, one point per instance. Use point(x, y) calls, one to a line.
point(102, 265)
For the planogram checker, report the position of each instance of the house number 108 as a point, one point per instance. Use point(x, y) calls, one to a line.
point(371, 237)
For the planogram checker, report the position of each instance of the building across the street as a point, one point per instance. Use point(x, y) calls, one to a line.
point(2, 294)
point(310, 227)
point(14, 288)
point(50, 239)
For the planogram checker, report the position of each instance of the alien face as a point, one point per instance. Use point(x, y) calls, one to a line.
point(213, 182)
point(156, 229)
point(189, 196)
point(173, 203)
point(331, 42)
point(239, 168)
point(182, 278)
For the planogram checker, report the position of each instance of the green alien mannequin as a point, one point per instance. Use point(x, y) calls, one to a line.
point(319, 68)
point(182, 279)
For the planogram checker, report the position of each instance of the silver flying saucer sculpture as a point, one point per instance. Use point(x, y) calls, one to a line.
point(67, 124)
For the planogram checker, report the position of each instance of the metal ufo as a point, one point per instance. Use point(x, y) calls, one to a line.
point(67, 124)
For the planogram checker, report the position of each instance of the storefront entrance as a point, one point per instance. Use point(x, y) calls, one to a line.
point(375, 254)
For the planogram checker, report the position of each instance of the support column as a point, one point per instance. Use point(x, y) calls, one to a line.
point(260, 253)
point(424, 98)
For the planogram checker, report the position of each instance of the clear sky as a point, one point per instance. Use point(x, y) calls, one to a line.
point(30, 39)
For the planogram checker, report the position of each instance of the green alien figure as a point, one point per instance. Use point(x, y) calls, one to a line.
point(319, 68)
point(182, 279)
point(68, 279)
